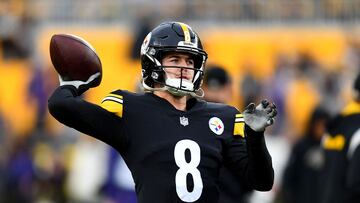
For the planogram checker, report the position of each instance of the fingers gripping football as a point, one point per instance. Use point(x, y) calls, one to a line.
point(81, 86)
point(261, 116)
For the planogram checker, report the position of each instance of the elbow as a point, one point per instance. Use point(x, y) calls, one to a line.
point(62, 105)
point(264, 182)
point(54, 108)
point(265, 186)
point(57, 108)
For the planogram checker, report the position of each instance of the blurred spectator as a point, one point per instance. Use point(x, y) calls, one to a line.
point(16, 34)
point(119, 186)
point(37, 92)
point(341, 179)
point(87, 171)
point(330, 92)
point(217, 87)
point(301, 176)
point(50, 173)
point(143, 25)
point(302, 94)
point(276, 88)
point(19, 174)
point(251, 89)
point(3, 156)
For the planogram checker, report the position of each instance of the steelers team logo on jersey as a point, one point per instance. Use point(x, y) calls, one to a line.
point(216, 125)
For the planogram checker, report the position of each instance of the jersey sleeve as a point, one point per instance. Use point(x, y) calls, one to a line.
point(353, 178)
point(97, 121)
point(247, 156)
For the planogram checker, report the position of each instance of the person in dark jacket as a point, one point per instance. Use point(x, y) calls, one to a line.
point(301, 175)
point(341, 175)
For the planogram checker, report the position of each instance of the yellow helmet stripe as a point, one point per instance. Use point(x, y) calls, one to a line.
point(186, 32)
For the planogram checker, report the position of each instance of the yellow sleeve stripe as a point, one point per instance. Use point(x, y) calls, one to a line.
point(351, 108)
point(239, 118)
point(113, 107)
point(116, 95)
point(239, 129)
point(114, 99)
point(335, 143)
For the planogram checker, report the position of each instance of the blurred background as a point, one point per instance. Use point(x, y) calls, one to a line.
point(301, 54)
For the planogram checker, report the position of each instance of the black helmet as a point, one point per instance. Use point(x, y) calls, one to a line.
point(171, 37)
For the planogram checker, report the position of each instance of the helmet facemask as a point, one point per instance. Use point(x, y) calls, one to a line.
point(181, 80)
point(180, 86)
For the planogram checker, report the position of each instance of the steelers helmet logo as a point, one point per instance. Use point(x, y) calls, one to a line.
point(145, 43)
point(216, 125)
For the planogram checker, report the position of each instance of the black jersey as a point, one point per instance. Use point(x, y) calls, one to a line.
point(174, 156)
point(341, 180)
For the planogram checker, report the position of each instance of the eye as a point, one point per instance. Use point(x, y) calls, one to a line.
point(191, 62)
point(175, 60)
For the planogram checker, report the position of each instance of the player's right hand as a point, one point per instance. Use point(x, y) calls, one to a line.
point(79, 85)
point(261, 116)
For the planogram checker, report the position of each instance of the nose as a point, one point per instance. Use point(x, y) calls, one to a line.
point(184, 72)
point(184, 63)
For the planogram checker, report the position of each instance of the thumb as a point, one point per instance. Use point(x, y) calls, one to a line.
point(250, 108)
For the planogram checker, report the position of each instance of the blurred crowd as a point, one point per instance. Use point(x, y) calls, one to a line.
point(280, 11)
point(53, 164)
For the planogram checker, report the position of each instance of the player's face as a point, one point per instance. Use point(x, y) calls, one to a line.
point(176, 60)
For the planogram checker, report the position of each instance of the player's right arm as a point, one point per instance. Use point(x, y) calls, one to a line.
point(67, 107)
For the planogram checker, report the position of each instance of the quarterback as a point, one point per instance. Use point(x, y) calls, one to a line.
point(173, 142)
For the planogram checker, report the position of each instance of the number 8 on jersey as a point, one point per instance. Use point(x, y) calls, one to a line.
point(188, 168)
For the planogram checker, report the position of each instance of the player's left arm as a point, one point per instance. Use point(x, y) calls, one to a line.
point(247, 153)
point(249, 159)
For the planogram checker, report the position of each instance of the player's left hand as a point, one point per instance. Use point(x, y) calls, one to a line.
point(261, 116)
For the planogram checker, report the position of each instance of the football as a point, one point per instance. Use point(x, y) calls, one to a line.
point(74, 58)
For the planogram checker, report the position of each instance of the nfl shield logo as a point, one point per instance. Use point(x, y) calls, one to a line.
point(184, 121)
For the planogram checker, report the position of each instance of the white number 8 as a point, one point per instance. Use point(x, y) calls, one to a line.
point(188, 168)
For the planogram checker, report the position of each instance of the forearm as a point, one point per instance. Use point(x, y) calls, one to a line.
point(260, 172)
point(250, 160)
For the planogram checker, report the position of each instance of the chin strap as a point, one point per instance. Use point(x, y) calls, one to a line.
point(147, 88)
point(198, 93)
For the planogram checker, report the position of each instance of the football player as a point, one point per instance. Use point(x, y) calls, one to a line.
point(341, 179)
point(173, 143)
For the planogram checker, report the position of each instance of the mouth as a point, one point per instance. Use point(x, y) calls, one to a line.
point(185, 78)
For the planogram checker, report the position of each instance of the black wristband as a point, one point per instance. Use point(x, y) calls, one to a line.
point(72, 89)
